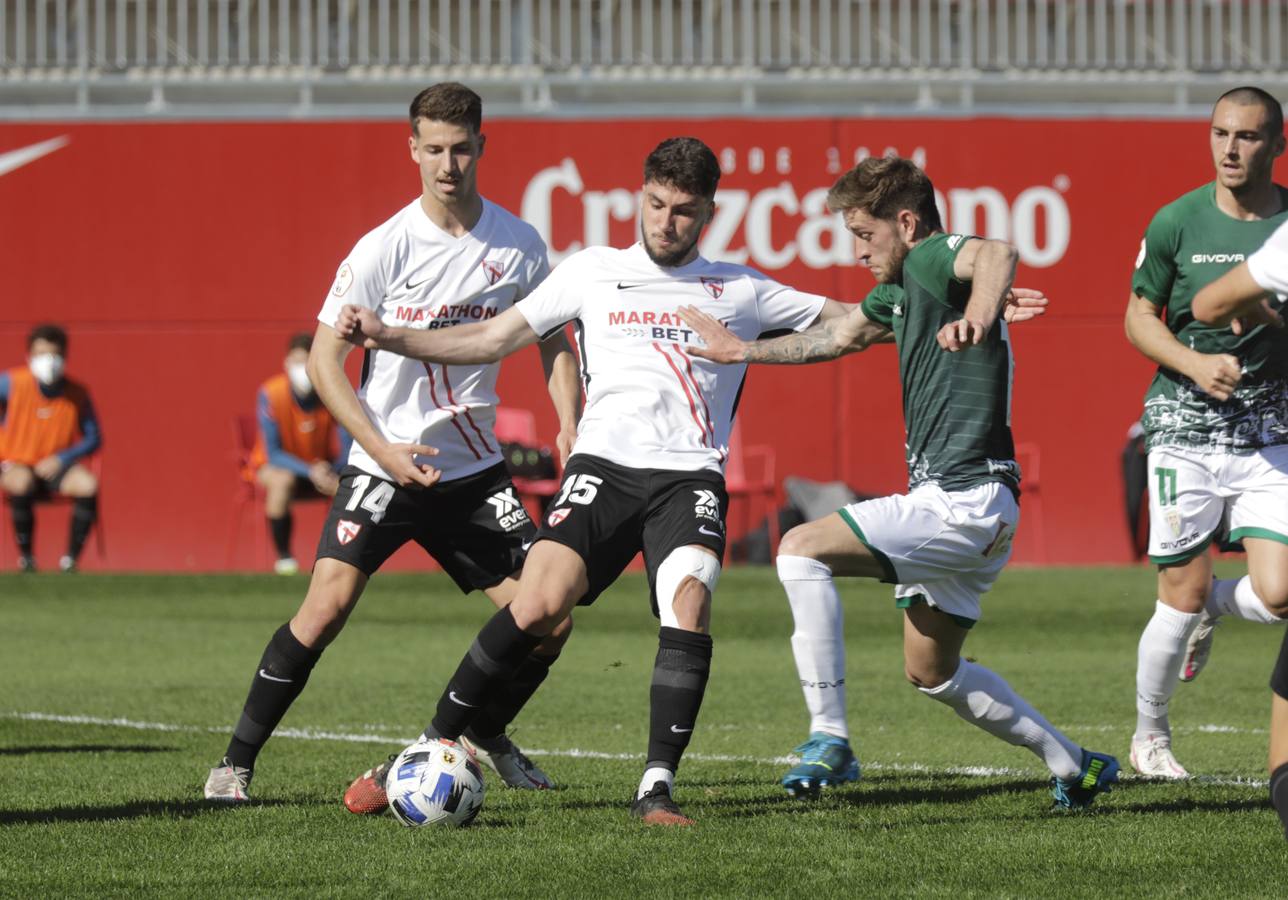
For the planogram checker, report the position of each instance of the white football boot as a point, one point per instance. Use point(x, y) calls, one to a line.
point(228, 783)
point(1152, 757)
point(509, 762)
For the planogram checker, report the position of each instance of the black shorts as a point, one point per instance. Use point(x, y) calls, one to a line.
point(607, 513)
point(474, 527)
point(1279, 678)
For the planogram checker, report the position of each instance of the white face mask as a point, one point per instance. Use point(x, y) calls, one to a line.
point(47, 367)
point(298, 373)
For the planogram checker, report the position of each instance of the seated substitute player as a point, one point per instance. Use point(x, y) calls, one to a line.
point(47, 428)
point(945, 541)
point(647, 472)
point(298, 448)
point(1252, 295)
point(448, 257)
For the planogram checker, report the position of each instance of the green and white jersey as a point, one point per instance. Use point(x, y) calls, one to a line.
point(1189, 244)
point(956, 406)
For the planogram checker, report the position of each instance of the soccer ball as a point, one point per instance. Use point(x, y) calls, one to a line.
point(435, 782)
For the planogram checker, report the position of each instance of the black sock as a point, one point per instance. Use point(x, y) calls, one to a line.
point(1279, 794)
point(679, 682)
point(280, 529)
point(283, 671)
point(24, 521)
point(496, 717)
point(483, 674)
point(84, 514)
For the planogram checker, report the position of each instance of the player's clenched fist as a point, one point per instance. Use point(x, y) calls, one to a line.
point(359, 325)
point(961, 334)
point(1217, 374)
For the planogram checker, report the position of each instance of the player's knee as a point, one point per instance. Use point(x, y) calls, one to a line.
point(331, 597)
point(539, 610)
point(554, 642)
point(928, 674)
point(18, 481)
point(1183, 590)
point(684, 583)
point(1271, 589)
point(797, 542)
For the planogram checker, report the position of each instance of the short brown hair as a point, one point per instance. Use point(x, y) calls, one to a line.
point(301, 341)
point(884, 186)
point(450, 102)
point(685, 163)
point(51, 333)
point(1255, 96)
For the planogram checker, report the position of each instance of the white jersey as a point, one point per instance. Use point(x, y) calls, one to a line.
point(1269, 265)
point(414, 274)
point(649, 405)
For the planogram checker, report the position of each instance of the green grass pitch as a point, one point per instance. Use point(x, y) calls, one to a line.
point(117, 693)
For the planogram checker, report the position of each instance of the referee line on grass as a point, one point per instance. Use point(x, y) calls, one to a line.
point(311, 734)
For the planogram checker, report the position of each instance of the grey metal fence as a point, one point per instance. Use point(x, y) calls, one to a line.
point(552, 53)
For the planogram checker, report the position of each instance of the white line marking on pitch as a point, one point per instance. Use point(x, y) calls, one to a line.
point(310, 734)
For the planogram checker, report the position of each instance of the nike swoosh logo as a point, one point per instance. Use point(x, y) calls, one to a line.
point(526, 545)
point(16, 159)
point(263, 674)
point(680, 730)
point(451, 695)
point(704, 530)
point(412, 287)
point(622, 286)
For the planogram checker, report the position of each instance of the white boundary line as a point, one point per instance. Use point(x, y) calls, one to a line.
point(369, 737)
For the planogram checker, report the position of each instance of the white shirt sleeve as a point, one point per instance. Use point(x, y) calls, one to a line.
point(360, 280)
point(1269, 265)
point(782, 307)
point(555, 301)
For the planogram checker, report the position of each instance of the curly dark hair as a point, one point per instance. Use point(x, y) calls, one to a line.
point(685, 163)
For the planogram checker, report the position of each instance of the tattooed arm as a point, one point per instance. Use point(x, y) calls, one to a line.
point(839, 329)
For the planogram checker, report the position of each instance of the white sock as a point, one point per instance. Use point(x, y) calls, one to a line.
point(818, 643)
point(1235, 597)
point(983, 698)
point(653, 776)
point(1158, 665)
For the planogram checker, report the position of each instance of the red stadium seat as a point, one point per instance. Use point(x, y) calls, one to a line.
point(519, 426)
point(749, 475)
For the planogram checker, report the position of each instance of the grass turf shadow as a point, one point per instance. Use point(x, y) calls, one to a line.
point(42, 749)
point(138, 809)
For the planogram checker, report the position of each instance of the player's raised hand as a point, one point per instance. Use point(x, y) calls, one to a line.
point(359, 325)
point(1023, 304)
point(1216, 374)
point(962, 334)
point(399, 460)
point(1264, 314)
point(722, 346)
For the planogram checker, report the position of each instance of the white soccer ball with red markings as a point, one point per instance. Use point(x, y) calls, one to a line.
point(435, 782)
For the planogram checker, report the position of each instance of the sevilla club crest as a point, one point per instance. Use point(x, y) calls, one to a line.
point(714, 286)
point(557, 516)
point(492, 270)
point(346, 531)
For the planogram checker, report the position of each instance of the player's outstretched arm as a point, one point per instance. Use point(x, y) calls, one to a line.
point(1023, 304)
point(484, 342)
point(1216, 374)
point(1235, 299)
point(990, 268)
point(326, 371)
point(839, 329)
point(565, 390)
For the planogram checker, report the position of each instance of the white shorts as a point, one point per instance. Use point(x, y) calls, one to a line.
point(1196, 497)
point(944, 548)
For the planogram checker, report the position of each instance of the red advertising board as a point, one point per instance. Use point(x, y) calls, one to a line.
point(181, 256)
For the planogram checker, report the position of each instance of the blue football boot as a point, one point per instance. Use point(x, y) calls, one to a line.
point(1098, 776)
point(826, 760)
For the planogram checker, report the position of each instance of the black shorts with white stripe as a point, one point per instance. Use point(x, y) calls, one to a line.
point(474, 527)
point(607, 513)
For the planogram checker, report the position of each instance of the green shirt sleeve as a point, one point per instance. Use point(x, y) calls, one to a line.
point(930, 264)
point(879, 304)
point(1156, 263)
